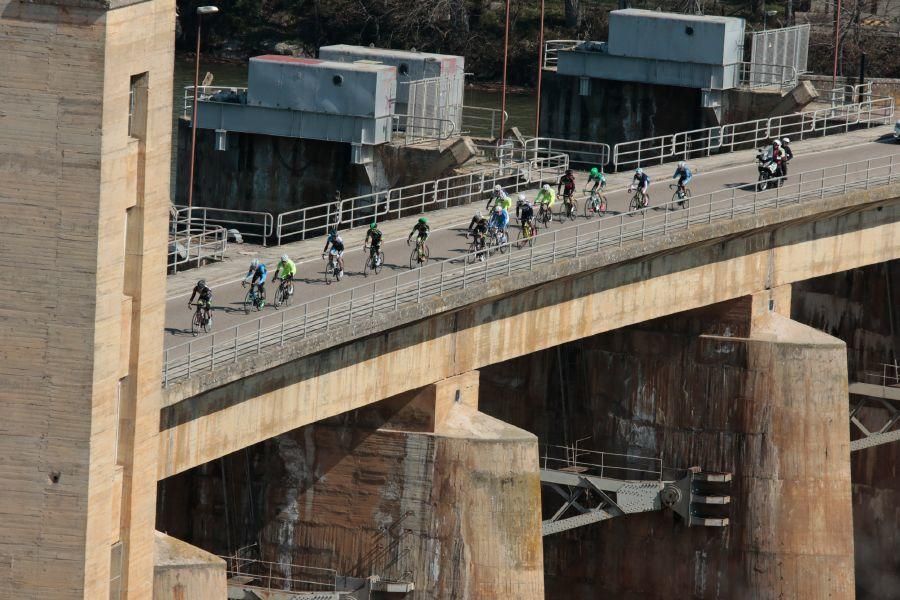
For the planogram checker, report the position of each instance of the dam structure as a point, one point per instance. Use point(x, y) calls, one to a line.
point(692, 398)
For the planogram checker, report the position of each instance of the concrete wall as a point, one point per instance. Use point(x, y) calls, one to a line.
point(183, 572)
point(276, 174)
point(615, 111)
point(860, 307)
point(78, 190)
point(219, 412)
point(764, 400)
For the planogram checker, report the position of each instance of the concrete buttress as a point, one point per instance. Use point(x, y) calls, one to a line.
point(421, 487)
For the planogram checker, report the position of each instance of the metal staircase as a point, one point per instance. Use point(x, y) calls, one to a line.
point(595, 486)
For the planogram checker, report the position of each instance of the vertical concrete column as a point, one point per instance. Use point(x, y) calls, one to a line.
point(422, 487)
point(795, 470)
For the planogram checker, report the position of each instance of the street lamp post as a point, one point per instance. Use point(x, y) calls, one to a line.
point(537, 108)
point(503, 91)
point(201, 11)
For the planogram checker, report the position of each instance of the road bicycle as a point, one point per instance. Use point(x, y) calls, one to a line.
point(374, 260)
point(333, 271)
point(595, 205)
point(637, 201)
point(684, 202)
point(526, 234)
point(419, 256)
point(253, 299)
point(283, 294)
point(544, 216)
point(477, 248)
point(569, 208)
point(201, 321)
point(497, 240)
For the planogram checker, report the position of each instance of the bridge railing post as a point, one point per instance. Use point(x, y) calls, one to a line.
point(281, 342)
point(190, 347)
point(305, 315)
point(212, 352)
point(733, 194)
point(166, 367)
point(258, 334)
point(396, 291)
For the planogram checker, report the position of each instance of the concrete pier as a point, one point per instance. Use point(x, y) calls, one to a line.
point(731, 387)
point(422, 487)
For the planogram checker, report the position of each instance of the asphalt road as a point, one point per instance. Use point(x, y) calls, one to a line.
point(230, 319)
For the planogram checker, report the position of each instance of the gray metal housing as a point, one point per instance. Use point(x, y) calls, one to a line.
point(309, 98)
point(411, 66)
point(663, 49)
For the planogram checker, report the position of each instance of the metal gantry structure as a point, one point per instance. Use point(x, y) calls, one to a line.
point(879, 392)
point(596, 486)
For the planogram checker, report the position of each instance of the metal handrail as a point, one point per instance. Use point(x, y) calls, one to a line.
point(195, 245)
point(600, 463)
point(552, 48)
point(414, 129)
point(758, 75)
point(751, 134)
point(256, 224)
point(414, 199)
point(582, 154)
point(267, 573)
point(482, 121)
point(461, 272)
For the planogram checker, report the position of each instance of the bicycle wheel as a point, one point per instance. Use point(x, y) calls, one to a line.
point(206, 323)
point(425, 255)
point(368, 266)
point(590, 209)
point(414, 258)
point(280, 296)
point(573, 209)
point(248, 301)
point(196, 324)
point(687, 198)
point(379, 263)
point(634, 205)
point(329, 272)
point(471, 255)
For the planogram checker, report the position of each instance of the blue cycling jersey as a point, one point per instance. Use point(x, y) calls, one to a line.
point(258, 274)
point(684, 173)
point(500, 220)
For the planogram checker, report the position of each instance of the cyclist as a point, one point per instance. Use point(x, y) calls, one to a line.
point(285, 271)
point(475, 219)
point(641, 181)
point(567, 184)
point(684, 176)
point(337, 248)
point(524, 211)
point(479, 230)
point(373, 238)
point(500, 197)
point(596, 177)
point(545, 197)
point(788, 155)
point(256, 275)
point(421, 229)
point(500, 219)
point(204, 298)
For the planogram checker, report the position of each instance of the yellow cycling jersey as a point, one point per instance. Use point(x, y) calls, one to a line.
point(503, 202)
point(545, 197)
point(286, 268)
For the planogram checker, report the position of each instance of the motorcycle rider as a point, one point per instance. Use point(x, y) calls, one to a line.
point(779, 156)
point(788, 155)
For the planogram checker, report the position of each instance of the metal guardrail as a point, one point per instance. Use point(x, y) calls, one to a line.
point(552, 48)
point(601, 464)
point(435, 279)
point(195, 246)
point(250, 223)
point(751, 134)
point(583, 155)
point(758, 75)
point(412, 130)
point(480, 121)
point(281, 577)
point(415, 199)
point(850, 94)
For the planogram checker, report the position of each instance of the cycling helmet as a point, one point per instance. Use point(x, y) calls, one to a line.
point(546, 187)
point(254, 263)
point(785, 140)
point(284, 258)
point(477, 214)
point(498, 209)
point(595, 171)
point(639, 171)
point(201, 283)
point(568, 171)
point(332, 232)
point(339, 239)
point(497, 188)
point(423, 220)
point(522, 197)
point(373, 225)
point(681, 165)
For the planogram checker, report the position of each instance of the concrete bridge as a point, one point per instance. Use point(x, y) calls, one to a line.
point(393, 426)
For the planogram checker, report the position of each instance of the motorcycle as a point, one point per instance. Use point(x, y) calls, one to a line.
point(768, 169)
